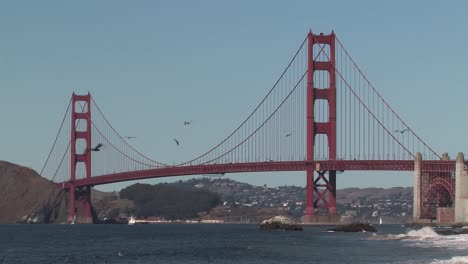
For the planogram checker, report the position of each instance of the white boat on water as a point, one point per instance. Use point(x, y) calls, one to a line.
point(131, 221)
point(380, 221)
point(73, 221)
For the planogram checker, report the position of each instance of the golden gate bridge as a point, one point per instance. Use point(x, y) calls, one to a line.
point(321, 116)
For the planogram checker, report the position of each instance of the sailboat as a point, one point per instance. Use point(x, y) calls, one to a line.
point(380, 220)
point(132, 221)
point(73, 221)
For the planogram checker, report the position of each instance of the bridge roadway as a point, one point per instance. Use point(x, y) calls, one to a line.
point(325, 165)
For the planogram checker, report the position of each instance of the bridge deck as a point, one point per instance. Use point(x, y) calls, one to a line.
point(339, 165)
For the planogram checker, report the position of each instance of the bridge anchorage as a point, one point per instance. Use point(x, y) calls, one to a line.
point(321, 116)
point(440, 191)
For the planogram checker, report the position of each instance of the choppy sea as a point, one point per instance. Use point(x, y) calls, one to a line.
point(224, 243)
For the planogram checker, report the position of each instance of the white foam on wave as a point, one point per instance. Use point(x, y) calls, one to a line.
point(427, 237)
point(453, 260)
point(425, 232)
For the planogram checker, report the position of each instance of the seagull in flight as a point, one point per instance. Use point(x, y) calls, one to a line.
point(176, 141)
point(97, 147)
point(128, 137)
point(288, 135)
point(402, 131)
point(187, 122)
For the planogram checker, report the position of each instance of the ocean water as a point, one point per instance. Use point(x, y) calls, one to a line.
point(223, 243)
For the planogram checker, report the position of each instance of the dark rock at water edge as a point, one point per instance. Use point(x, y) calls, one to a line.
point(451, 231)
point(281, 226)
point(355, 227)
point(117, 220)
point(280, 223)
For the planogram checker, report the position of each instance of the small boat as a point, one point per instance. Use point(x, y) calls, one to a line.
point(73, 221)
point(380, 221)
point(131, 221)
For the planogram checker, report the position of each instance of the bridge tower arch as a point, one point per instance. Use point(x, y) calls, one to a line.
point(80, 198)
point(321, 185)
point(434, 187)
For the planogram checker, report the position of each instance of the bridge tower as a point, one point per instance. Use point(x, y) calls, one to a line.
point(321, 185)
point(80, 198)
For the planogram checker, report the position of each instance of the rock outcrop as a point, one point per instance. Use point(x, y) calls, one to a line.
point(29, 198)
point(280, 223)
point(355, 227)
point(452, 231)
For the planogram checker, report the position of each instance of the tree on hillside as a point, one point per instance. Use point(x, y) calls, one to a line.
point(168, 201)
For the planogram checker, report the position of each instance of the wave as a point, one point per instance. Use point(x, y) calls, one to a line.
point(427, 237)
point(425, 233)
point(453, 260)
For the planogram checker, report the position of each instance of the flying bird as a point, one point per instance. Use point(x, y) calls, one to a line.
point(401, 131)
point(176, 141)
point(97, 147)
point(128, 137)
point(288, 135)
point(187, 122)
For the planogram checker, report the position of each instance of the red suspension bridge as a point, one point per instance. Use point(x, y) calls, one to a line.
point(322, 116)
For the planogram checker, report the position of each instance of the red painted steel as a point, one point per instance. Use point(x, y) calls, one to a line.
point(71, 187)
point(84, 194)
point(321, 192)
point(337, 165)
point(437, 190)
point(310, 208)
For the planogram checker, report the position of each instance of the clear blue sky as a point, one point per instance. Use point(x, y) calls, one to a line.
point(152, 64)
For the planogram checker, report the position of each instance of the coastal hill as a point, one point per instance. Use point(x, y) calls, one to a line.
point(242, 202)
point(29, 198)
point(394, 205)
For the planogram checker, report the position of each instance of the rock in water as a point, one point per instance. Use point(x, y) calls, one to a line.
point(355, 227)
point(29, 198)
point(452, 231)
point(280, 223)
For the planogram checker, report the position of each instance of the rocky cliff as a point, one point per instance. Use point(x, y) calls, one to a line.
point(29, 198)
